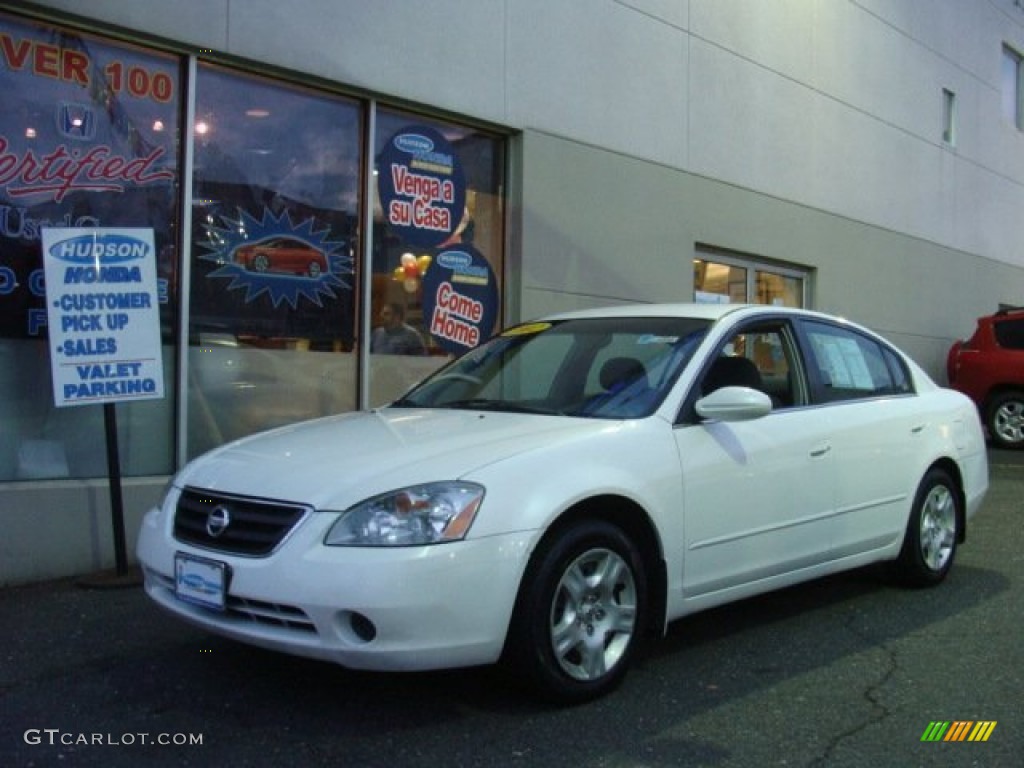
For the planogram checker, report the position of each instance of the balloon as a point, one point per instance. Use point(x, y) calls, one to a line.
point(398, 274)
point(423, 262)
point(410, 284)
point(407, 259)
point(411, 270)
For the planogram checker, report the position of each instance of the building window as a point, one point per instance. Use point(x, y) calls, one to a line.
point(275, 210)
point(88, 138)
point(948, 117)
point(438, 247)
point(1013, 87)
point(306, 232)
point(728, 278)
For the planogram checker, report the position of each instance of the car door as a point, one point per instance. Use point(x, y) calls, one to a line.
point(865, 392)
point(758, 494)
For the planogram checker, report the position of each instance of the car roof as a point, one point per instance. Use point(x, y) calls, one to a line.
point(711, 312)
point(706, 311)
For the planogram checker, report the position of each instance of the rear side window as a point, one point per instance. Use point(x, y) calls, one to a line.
point(1010, 333)
point(851, 366)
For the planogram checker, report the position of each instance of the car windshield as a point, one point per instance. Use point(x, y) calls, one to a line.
point(611, 368)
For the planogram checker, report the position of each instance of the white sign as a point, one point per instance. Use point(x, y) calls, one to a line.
point(103, 313)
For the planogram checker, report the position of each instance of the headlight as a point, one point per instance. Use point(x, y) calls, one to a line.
point(421, 514)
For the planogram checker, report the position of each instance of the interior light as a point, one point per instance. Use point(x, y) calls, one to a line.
point(257, 112)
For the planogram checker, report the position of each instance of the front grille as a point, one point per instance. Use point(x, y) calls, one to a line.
point(236, 524)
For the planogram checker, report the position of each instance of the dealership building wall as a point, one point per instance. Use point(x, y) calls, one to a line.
point(859, 144)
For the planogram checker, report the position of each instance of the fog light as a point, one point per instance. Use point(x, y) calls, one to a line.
point(362, 627)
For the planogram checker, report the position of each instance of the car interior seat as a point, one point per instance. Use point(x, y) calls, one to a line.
point(729, 371)
point(618, 372)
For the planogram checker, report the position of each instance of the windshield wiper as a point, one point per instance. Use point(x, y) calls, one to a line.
point(486, 404)
point(404, 402)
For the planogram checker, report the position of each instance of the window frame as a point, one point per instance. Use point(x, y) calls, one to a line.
point(949, 117)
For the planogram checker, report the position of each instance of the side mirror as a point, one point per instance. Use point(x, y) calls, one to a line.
point(734, 404)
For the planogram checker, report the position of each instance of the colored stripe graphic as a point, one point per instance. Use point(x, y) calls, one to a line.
point(959, 730)
point(982, 730)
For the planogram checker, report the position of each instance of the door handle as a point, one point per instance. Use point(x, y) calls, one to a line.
point(817, 453)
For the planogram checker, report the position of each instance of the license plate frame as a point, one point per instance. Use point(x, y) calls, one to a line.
point(200, 581)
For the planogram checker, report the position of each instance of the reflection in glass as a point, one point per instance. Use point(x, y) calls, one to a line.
point(273, 280)
point(722, 280)
point(779, 290)
point(399, 266)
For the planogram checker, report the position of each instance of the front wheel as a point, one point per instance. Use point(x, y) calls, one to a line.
point(581, 609)
point(929, 544)
point(1005, 420)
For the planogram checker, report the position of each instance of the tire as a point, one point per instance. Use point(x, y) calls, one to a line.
point(929, 545)
point(1005, 419)
point(314, 269)
point(260, 263)
point(581, 610)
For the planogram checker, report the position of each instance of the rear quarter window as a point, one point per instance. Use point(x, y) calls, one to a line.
point(1010, 333)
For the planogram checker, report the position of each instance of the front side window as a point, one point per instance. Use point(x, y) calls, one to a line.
point(88, 138)
point(275, 208)
point(762, 357)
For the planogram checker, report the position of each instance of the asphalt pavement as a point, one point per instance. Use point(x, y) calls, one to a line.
point(845, 671)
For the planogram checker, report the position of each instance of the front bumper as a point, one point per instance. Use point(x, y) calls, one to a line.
point(414, 608)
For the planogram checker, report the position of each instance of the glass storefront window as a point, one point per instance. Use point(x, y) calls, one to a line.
point(438, 247)
point(271, 291)
point(275, 206)
point(88, 138)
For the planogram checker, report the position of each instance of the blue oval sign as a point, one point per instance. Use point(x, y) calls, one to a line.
point(413, 143)
point(460, 299)
point(422, 186)
point(454, 260)
point(89, 249)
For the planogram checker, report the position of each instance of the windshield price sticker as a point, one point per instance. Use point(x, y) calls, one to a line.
point(200, 581)
point(103, 315)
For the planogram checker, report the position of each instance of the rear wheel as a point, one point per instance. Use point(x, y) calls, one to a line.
point(581, 610)
point(1005, 420)
point(929, 544)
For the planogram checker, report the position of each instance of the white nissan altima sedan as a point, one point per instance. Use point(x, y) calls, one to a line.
point(569, 487)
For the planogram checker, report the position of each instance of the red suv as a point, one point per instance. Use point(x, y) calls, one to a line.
point(989, 368)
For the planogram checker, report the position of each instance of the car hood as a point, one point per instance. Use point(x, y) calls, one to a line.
point(334, 462)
